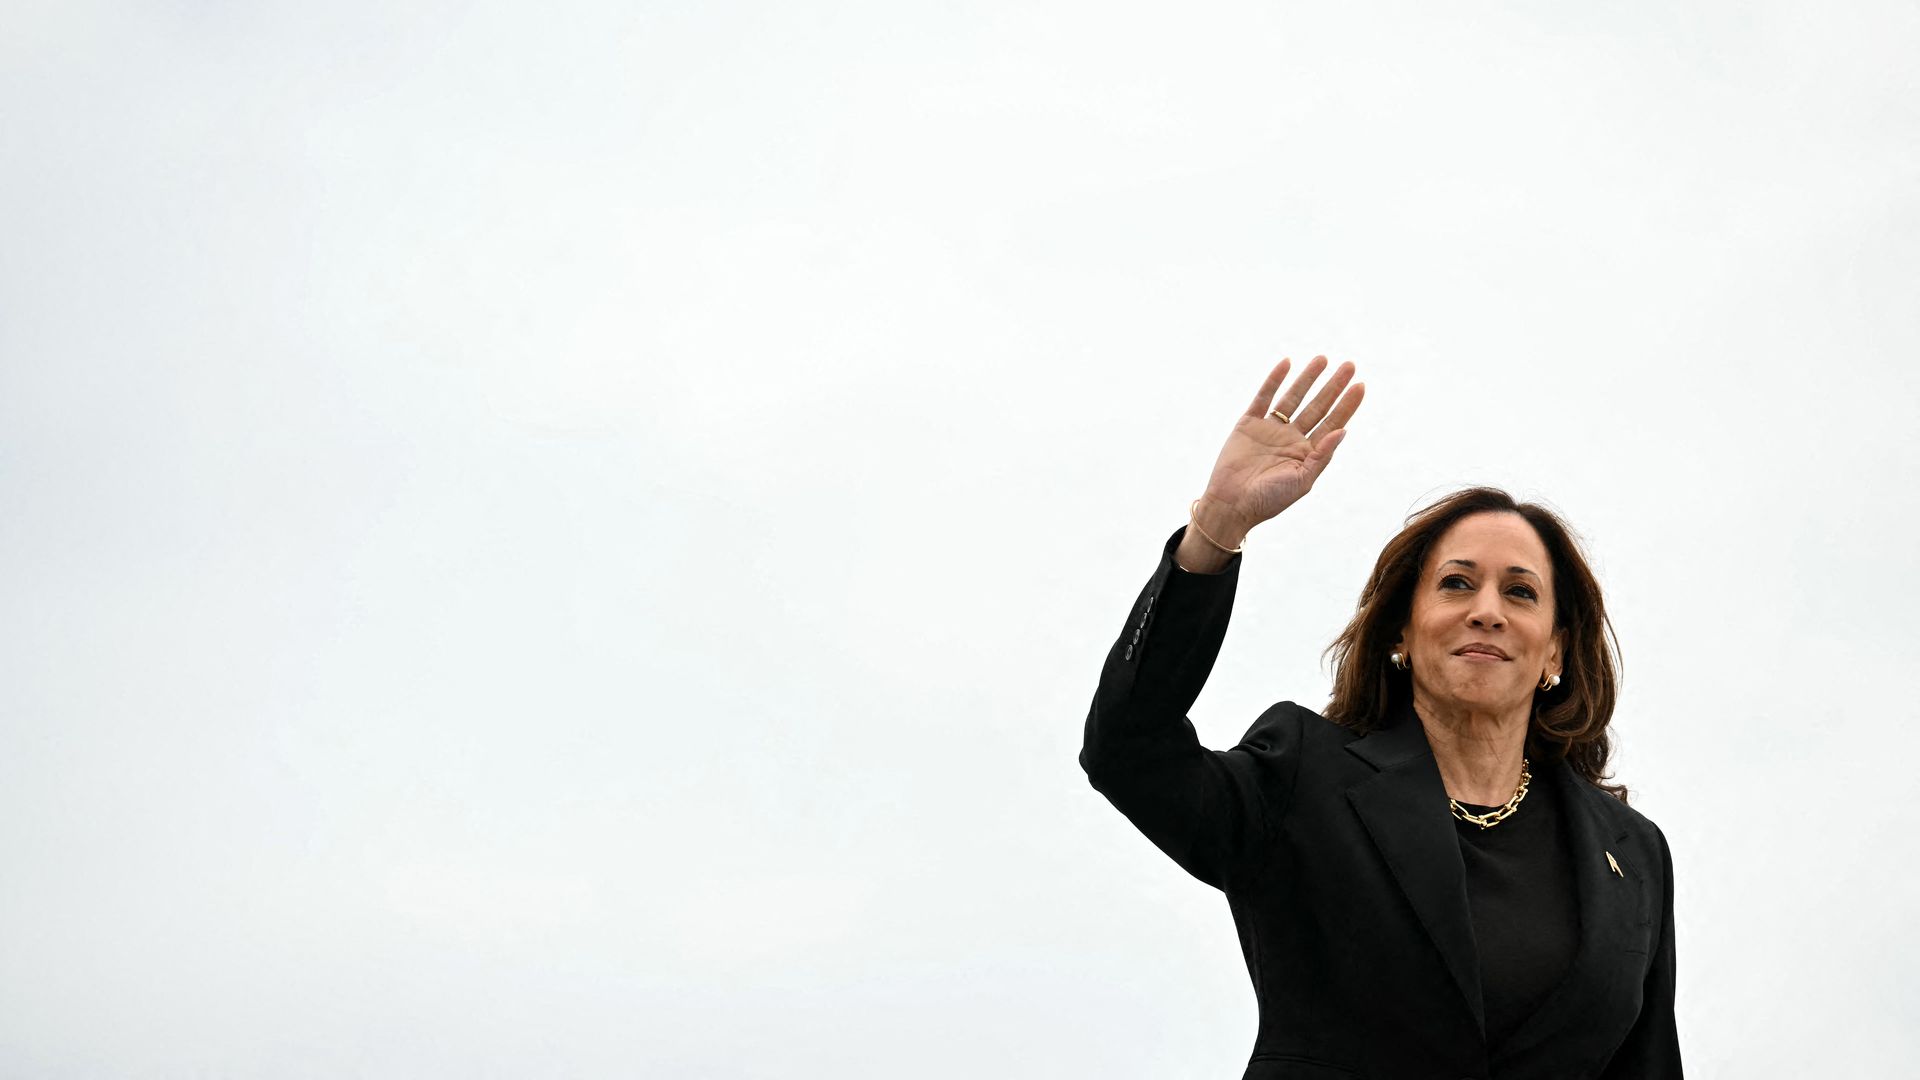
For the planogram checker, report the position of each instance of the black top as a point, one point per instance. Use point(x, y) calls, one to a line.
point(1525, 911)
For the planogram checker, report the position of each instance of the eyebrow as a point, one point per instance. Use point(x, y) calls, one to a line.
point(1471, 565)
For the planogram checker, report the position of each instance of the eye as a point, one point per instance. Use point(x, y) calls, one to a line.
point(1525, 592)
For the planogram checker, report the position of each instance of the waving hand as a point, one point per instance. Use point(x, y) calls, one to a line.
point(1279, 447)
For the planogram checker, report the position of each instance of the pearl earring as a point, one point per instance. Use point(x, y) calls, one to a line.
point(1548, 682)
point(1397, 660)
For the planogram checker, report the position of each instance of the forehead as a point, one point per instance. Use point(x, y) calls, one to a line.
point(1492, 539)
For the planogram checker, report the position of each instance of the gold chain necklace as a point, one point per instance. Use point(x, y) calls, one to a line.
point(1494, 817)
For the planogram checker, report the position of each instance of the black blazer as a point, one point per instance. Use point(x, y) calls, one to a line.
point(1343, 871)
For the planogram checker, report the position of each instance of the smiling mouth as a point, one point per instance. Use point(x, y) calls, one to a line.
point(1479, 654)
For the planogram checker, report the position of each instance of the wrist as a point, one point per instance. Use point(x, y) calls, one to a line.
point(1219, 523)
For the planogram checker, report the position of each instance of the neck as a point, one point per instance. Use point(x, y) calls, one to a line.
point(1478, 751)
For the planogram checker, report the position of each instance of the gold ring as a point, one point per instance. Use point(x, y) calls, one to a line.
point(1281, 415)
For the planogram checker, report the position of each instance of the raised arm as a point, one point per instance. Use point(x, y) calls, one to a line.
point(1140, 750)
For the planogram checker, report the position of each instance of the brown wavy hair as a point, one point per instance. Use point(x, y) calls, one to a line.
point(1569, 721)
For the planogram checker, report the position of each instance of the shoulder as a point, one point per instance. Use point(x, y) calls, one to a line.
point(1287, 725)
point(1626, 818)
point(1626, 821)
point(1287, 742)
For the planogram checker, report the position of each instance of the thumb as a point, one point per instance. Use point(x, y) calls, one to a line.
point(1323, 453)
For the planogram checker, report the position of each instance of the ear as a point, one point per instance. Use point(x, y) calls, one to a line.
point(1556, 656)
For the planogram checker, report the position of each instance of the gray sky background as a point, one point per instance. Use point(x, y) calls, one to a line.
point(578, 540)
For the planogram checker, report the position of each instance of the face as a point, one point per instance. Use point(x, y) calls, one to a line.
point(1487, 585)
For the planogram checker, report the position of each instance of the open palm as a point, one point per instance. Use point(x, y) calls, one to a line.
point(1271, 460)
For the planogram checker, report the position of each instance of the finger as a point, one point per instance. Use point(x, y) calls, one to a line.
point(1274, 377)
point(1342, 412)
point(1324, 400)
point(1297, 393)
point(1323, 453)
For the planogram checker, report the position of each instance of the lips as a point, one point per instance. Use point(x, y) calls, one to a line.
point(1483, 649)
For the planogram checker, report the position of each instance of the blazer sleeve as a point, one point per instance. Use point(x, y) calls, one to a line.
point(1651, 1050)
point(1202, 807)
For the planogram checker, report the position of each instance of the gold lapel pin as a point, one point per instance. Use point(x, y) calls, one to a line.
point(1615, 865)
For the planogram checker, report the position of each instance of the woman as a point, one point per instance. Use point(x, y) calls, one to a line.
point(1432, 879)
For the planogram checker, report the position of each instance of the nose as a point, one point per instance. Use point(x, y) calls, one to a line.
point(1486, 611)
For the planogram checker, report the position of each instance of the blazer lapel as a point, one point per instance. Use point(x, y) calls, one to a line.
point(1404, 809)
point(1614, 931)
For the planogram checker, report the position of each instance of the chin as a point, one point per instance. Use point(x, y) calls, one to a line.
point(1482, 698)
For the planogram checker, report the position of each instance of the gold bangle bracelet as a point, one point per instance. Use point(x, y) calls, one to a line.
point(1194, 520)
